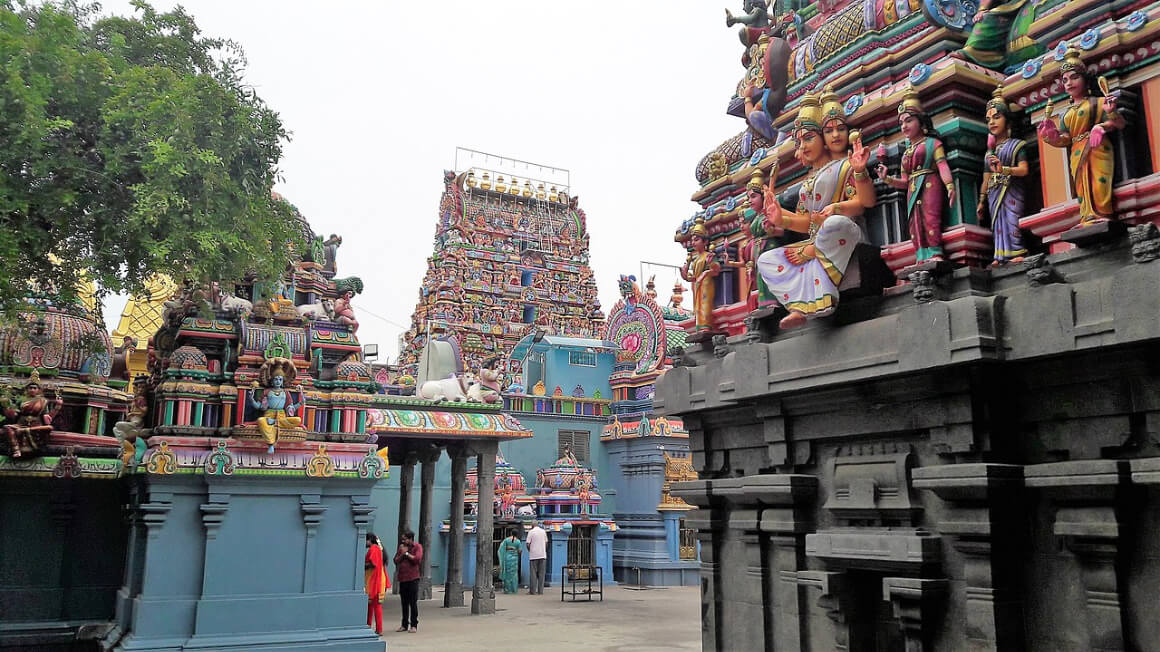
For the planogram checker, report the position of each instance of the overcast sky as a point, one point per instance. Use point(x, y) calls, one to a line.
point(628, 96)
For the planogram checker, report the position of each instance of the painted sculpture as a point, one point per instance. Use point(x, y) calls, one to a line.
point(923, 161)
point(1084, 129)
point(700, 269)
point(487, 390)
point(1005, 169)
point(755, 21)
point(344, 312)
point(988, 43)
point(28, 418)
point(804, 276)
point(761, 240)
point(277, 404)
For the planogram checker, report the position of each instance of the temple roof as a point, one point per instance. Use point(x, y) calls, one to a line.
point(439, 424)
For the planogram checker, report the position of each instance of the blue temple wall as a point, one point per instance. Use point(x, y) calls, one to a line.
point(255, 563)
point(529, 455)
point(647, 545)
point(62, 555)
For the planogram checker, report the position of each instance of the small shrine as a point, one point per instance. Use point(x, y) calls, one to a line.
point(568, 503)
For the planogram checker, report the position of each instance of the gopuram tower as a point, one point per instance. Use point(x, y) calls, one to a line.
point(510, 255)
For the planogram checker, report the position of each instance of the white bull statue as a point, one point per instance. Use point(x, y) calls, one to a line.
point(448, 389)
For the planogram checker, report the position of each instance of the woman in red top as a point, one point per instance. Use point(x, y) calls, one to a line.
point(377, 583)
point(407, 560)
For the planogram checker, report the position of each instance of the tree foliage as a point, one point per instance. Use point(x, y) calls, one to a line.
point(129, 147)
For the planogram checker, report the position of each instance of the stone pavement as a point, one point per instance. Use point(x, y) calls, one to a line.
point(627, 621)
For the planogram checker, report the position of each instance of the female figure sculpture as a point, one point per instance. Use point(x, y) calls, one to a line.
point(30, 420)
point(278, 408)
point(926, 198)
point(700, 269)
point(804, 276)
point(1005, 167)
point(1084, 129)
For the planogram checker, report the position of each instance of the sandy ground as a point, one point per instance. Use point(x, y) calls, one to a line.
point(627, 621)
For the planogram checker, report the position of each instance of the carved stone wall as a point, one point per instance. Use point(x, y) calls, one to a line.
point(972, 471)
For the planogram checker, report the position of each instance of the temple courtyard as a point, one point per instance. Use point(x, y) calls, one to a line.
point(627, 621)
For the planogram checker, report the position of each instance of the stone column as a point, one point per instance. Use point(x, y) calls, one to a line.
point(915, 602)
point(429, 458)
point(483, 596)
point(406, 482)
point(453, 587)
point(708, 519)
point(1086, 494)
point(742, 593)
point(786, 518)
point(984, 525)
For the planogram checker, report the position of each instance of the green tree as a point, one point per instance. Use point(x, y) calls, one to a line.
point(129, 147)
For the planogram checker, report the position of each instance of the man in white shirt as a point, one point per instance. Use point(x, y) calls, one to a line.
point(537, 542)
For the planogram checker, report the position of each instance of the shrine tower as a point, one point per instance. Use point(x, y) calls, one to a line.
point(510, 255)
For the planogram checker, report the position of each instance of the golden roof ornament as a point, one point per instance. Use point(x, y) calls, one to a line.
point(553, 194)
point(809, 115)
point(997, 102)
point(527, 191)
point(756, 181)
point(515, 189)
point(1072, 62)
point(910, 103)
point(699, 229)
point(486, 183)
point(500, 186)
point(832, 108)
point(471, 182)
point(540, 194)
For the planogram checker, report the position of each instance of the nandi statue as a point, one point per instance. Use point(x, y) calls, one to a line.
point(453, 388)
point(241, 307)
point(313, 311)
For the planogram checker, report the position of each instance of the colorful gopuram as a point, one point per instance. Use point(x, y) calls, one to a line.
point(580, 535)
point(647, 452)
point(919, 369)
point(510, 255)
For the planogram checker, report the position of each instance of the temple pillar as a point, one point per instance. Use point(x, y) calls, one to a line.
point(983, 523)
point(915, 603)
point(429, 458)
point(786, 518)
point(742, 592)
point(406, 482)
point(483, 595)
point(1086, 494)
point(708, 520)
point(453, 587)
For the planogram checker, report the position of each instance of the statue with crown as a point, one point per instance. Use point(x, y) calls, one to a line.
point(804, 276)
point(28, 418)
point(279, 417)
point(700, 269)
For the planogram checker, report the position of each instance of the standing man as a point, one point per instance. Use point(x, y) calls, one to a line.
point(407, 560)
point(537, 542)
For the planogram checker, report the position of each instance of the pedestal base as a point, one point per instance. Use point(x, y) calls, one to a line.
point(453, 594)
point(1099, 233)
point(482, 606)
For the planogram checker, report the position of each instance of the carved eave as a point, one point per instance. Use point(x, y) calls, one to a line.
point(968, 482)
point(907, 550)
point(1118, 47)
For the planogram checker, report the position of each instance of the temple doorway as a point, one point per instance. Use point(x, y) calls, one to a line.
point(873, 626)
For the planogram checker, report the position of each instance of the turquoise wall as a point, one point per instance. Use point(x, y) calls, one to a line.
point(385, 498)
point(558, 372)
point(528, 455)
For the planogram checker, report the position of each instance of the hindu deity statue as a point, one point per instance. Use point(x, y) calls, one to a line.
point(1005, 169)
point(987, 44)
point(926, 198)
point(755, 21)
point(344, 312)
point(489, 380)
point(568, 458)
point(804, 276)
point(760, 241)
point(1084, 129)
point(700, 269)
point(277, 404)
point(28, 418)
point(330, 248)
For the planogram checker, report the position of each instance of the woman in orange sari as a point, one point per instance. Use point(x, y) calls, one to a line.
point(377, 583)
point(1084, 129)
